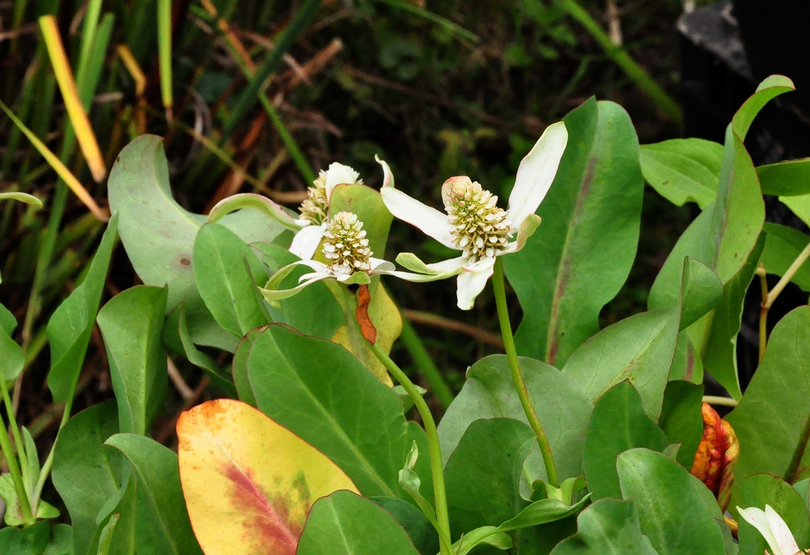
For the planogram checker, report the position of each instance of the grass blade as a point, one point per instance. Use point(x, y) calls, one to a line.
point(73, 104)
point(58, 166)
point(164, 17)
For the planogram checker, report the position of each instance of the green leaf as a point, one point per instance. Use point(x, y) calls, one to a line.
point(567, 271)
point(223, 280)
point(662, 488)
point(131, 325)
point(239, 366)
point(29, 541)
point(719, 354)
point(803, 487)
point(345, 523)
point(321, 393)
point(772, 422)
point(800, 206)
point(701, 291)
point(410, 482)
point(789, 178)
point(162, 524)
point(762, 489)
point(71, 324)
point(681, 418)
point(683, 170)
point(105, 541)
point(85, 475)
point(640, 349)
point(13, 514)
point(618, 423)
point(159, 234)
point(724, 237)
point(61, 542)
point(483, 474)
point(419, 529)
point(782, 246)
point(12, 356)
point(767, 90)
point(490, 393)
point(22, 197)
point(8, 323)
point(175, 336)
point(607, 526)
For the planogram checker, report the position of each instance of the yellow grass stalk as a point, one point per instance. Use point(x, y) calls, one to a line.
point(58, 167)
point(67, 86)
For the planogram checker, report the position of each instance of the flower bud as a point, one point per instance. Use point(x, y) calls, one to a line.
point(716, 456)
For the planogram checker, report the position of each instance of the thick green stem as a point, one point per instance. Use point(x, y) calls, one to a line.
point(16, 477)
point(440, 495)
point(517, 375)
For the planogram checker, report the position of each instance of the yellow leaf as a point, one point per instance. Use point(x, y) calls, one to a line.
point(73, 105)
point(248, 482)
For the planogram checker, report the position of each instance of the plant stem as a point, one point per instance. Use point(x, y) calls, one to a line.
point(16, 477)
point(15, 430)
point(438, 385)
point(721, 401)
point(763, 311)
point(622, 59)
point(517, 375)
point(439, 493)
point(788, 276)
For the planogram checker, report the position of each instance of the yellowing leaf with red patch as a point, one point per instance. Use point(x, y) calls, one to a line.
point(249, 482)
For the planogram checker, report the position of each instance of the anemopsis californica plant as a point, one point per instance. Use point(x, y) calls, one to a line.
point(473, 223)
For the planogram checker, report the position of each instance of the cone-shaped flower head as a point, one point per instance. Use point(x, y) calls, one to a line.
point(315, 209)
point(773, 529)
point(473, 223)
point(349, 257)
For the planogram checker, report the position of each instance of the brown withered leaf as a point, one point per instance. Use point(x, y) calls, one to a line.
point(361, 313)
point(716, 456)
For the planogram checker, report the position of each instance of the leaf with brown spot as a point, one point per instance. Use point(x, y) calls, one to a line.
point(248, 482)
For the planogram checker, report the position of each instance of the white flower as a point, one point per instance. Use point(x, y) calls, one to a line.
point(772, 528)
point(473, 224)
point(346, 248)
point(315, 209)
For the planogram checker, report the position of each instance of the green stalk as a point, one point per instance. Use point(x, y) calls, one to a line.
point(631, 68)
point(438, 385)
point(287, 139)
point(439, 492)
point(164, 17)
point(517, 375)
point(16, 477)
point(15, 431)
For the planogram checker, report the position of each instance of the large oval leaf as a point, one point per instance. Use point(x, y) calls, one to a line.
point(772, 422)
point(582, 253)
point(618, 423)
point(320, 392)
point(761, 489)
point(489, 392)
point(131, 324)
point(683, 170)
point(159, 234)
point(607, 526)
point(248, 482)
point(346, 524)
point(676, 511)
point(161, 524)
point(221, 265)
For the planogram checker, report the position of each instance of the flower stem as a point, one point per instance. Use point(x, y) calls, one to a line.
point(517, 375)
point(439, 493)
